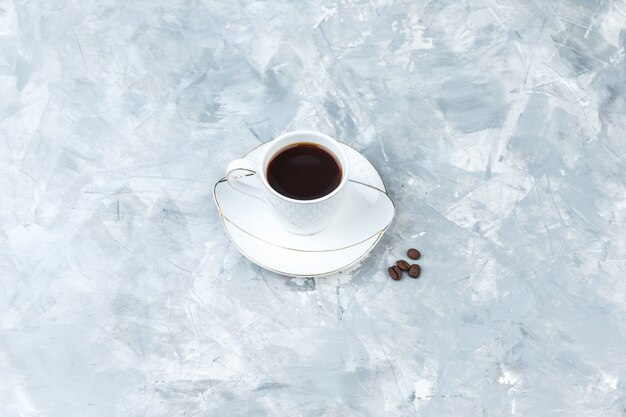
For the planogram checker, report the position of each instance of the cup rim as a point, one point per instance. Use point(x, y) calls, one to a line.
point(310, 136)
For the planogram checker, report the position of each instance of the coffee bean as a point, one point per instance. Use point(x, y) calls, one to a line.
point(398, 270)
point(395, 272)
point(415, 270)
point(413, 254)
point(403, 265)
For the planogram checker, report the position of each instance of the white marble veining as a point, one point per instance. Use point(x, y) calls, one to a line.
point(498, 126)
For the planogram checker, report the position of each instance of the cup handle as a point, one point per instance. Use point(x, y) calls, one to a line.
point(241, 168)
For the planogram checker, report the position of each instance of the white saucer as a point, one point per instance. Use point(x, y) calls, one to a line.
point(363, 218)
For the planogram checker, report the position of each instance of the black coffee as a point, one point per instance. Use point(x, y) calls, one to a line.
point(304, 171)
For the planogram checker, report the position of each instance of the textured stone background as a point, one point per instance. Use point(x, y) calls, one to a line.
point(500, 130)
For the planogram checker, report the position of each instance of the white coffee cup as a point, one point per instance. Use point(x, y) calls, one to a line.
point(298, 216)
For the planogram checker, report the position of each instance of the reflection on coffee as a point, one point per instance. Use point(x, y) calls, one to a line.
point(304, 171)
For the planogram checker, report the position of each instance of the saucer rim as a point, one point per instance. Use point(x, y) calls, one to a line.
point(289, 274)
point(393, 215)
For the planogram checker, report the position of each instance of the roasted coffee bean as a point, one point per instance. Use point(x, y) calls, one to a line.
point(398, 270)
point(415, 270)
point(403, 265)
point(395, 272)
point(413, 254)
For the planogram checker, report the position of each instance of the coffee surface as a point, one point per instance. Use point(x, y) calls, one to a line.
point(304, 171)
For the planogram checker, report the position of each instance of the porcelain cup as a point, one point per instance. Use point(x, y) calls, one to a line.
point(297, 216)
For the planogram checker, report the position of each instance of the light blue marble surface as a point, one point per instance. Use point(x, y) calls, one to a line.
point(499, 127)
